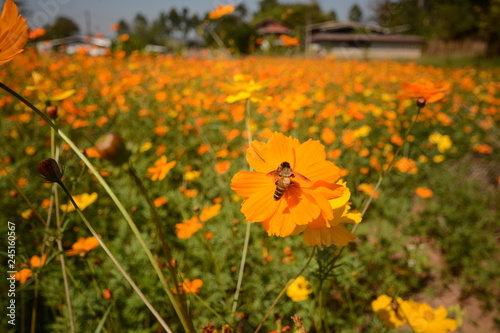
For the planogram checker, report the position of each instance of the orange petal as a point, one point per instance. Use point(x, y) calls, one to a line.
point(260, 205)
point(280, 149)
point(307, 154)
point(247, 183)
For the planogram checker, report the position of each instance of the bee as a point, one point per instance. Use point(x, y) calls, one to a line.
point(284, 172)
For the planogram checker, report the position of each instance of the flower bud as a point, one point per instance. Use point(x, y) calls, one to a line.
point(112, 148)
point(52, 111)
point(421, 102)
point(49, 169)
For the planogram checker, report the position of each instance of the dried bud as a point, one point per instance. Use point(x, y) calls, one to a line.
point(49, 170)
point(112, 148)
point(52, 111)
point(421, 102)
point(107, 294)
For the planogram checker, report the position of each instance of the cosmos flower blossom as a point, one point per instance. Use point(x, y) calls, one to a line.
point(431, 92)
point(83, 246)
point(13, 32)
point(160, 169)
point(299, 290)
point(243, 88)
point(305, 200)
point(220, 11)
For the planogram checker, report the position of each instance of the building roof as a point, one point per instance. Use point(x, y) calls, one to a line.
point(272, 26)
point(364, 38)
point(345, 27)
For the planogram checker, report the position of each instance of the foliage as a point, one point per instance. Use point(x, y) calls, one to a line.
point(175, 107)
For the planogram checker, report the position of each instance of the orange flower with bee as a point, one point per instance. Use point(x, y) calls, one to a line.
point(291, 186)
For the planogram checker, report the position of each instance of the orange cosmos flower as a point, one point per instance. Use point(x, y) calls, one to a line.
point(289, 41)
point(82, 246)
point(222, 167)
point(24, 274)
point(406, 165)
point(188, 227)
point(161, 168)
point(304, 201)
point(424, 192)
point(190, 287)
point(432, 92)
point(35, 33)
point(209, 212)
point(220, 11)
point(13, 32)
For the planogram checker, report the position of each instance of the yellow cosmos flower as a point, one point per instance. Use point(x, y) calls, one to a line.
point(42, 85)
point(13, 32)
point(244, 87)
point(443, 142)
point(299, 290)
point(83, 201)
point(424, 319)
point(316, 234)
point(304, 200)
point(389, 311)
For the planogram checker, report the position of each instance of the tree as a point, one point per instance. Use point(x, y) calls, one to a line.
point(62, 27)
point(355, 13)
point(265, 5)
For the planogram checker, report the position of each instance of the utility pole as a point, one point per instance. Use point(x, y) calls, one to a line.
point(88, 23)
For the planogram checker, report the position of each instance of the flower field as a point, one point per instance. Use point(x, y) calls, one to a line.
point(419, 185)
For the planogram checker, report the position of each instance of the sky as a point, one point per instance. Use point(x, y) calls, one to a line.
point(103, 13)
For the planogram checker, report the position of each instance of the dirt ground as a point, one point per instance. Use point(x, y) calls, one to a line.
point(476, 320)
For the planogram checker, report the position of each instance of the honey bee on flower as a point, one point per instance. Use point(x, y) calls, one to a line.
point(296, 195)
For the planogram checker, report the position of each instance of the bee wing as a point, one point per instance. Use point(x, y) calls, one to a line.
point(301, 177)
point(273, 174)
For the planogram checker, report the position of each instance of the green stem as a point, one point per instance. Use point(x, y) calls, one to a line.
point(62, 260)
point(384, 173)
point(110, 192)
point(247, 230)
point(184, 313)
point(283, 291)
point(118, 265)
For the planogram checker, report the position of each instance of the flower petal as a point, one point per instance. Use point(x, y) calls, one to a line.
point(247, 183)
point(260, 205)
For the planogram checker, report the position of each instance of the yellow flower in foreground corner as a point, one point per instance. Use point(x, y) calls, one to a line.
point(220, 11)
point(389, 311)
point(83, 201)
point(305, 200)
point(82, 246)
point(13, 32)
point(244, 87)
point(317, 234)
point(299, 290)
point(424, 319)
point(160, 169)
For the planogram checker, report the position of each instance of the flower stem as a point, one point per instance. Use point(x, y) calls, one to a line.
point(119, 266)
point(247, 230)
point(110, 192)
point(283, 291)
point(384, 173)
point(62, 259)
point(184, 313)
